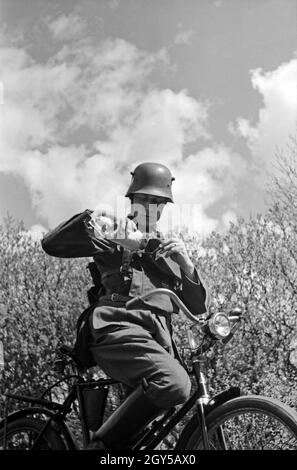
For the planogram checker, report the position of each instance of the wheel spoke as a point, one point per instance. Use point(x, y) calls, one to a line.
point(21, 435)
point(250, 423)
point(257, 431)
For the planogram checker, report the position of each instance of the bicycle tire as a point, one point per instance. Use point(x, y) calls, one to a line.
point(19, 428)
point(238, 437)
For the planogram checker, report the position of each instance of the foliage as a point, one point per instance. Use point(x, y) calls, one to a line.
point(245, 267)
point(253, 265)
point(41, 298)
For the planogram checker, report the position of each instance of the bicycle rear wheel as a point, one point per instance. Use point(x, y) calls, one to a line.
point(249, 423)
point(22, 433)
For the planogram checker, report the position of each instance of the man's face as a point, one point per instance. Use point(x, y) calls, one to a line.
point(149, 209)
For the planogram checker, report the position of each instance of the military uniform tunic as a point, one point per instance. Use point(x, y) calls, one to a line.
point(133, 344)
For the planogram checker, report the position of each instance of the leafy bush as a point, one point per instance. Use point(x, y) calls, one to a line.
point(41, 298)
point(253, 264)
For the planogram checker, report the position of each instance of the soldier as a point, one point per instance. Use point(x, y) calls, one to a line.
point(134, 345)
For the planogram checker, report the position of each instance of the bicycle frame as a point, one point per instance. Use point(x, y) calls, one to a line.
point(152, 436)
point(56, 412)
point(162, 427)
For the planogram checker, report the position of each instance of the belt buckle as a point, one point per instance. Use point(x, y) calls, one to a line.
point(114, 297)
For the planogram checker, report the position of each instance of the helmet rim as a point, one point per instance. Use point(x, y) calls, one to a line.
point(151, 178)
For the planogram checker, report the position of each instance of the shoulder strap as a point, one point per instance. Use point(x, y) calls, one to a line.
point(126, 262)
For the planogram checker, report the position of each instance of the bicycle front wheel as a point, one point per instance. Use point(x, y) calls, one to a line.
point(22, 433)
point(249, 423)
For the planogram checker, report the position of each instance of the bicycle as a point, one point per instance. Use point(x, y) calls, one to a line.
point(227, 421)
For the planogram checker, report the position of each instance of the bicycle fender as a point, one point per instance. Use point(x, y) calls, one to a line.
point(25, 412)
point(63, 429)
point(221, 398)
point(216, 401)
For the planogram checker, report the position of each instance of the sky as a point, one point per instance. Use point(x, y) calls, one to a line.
point(91, 88)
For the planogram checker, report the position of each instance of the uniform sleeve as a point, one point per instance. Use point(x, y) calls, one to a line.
point(75, 239)
point(194, 294)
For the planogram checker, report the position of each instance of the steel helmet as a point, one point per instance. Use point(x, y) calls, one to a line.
point(151, 178)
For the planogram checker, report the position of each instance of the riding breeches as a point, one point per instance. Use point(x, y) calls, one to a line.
point(132, 345)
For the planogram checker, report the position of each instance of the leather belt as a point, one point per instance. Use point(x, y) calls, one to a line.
point(114, 298)
point(118, 300)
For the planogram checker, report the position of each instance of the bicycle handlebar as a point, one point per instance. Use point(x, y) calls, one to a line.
point(171, 295)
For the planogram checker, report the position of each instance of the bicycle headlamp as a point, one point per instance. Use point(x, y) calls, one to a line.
point(219, 325)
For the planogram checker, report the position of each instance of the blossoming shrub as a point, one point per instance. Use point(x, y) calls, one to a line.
point(253, 265)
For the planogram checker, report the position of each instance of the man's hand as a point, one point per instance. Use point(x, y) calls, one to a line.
point(104, 224)
point(176, 250)
point(123, 232)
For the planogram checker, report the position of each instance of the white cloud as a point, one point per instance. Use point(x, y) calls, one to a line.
point(204, 179)
point(208, 175)
point(67, 27)
point(37, 231)
point(66, 180)
point(277, 118)
point(227, 217)
point(105, 89)
point(164, 122)
point(113, 4)
point(187, 217)
point(184, 36)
